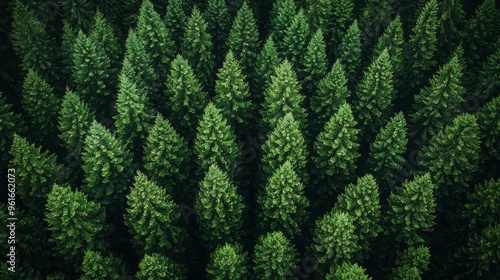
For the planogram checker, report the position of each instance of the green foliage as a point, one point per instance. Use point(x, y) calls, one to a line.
point(332, 16)
point(197, 49)
point(451, 25)
point(68, 38)
point(375, 15)
point(417, 257)
point(228, 262)
point(280, 19)
point(483, 253)
point(218, 24)
point(76, 223)
point(153, 218)
point(157, 266)
point(347, 271)
point(481, 208)
point(282, 202)
point(349, 52)
point(411, 210)
point(10, 123)
point(175, 21)
point(488, 118)
point(78, 13)
point(267, 61)
point(296, 39)
point(219, 207)
point(438, 103)
point(275, 257)
point(405, 273)
point(314, 65)
point(95, 266)
point(490, 74)
point(285, 143)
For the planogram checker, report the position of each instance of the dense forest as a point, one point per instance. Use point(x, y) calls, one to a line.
point(232, 139)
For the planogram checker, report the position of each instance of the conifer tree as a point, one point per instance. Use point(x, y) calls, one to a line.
point(285, 143)
point(481, 207)
point(283, 96)
point(488, 118)
point(219, 207)
point(413, 257)
point(197, 49)
point(375, 16)
point(451, 24)
point(347, 271)
point(282, 202)
point(296, 39)
point(153, 218)
point(267, 61)
point(482, 253)
point(228, 261)
point(175, 21)
point(336, 149)
point(96, 266)
point(460, 143)
point(157, 266)
point(280, 19)
point(76, 224)
point(438, 103)
point(373, 97)
point(218, 24)
point(314, 65)
point(107, 165)
point(349, 52)
point(186, 97)
point(10, 123)
point(167, 158)
point(275, 256)
point(68, 39)
point(411, 210)
point(78, 14)
point(489, 76)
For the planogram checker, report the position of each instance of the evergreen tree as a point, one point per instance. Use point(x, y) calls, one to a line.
point(215, 143)
point(483, 253)
point(76, 223)
point(460, 143)
point(386, 152)
point(282, 202)
point(175, 21)
point(451, 24)
point(41, 106)
point(167, 158)
point(10, 123)
point(336, 150)
point(314, 65)
point(283, 96)
point(413, 257)
point(218, 24)
point(36, 172)
point(373, 98)
point(267, 61)
point(280, 19)
point(107, 165)
point(153, 218)
point(406, 273)
point(275, 256)
point(411, 210)
point(285, 143)
point(349, 52)
point(187, 99)
point(68, 39)
point(95, 266)
point(233, 94)
point(156, 266)
point(78, 14)
point(295, 41)
point(481, 208)
point(347, 271)
point(488, 118)
point(438, 103)
point(361, 202)
point(375, 16)
point(197, 49)
point(489, 76)
point(228, 261)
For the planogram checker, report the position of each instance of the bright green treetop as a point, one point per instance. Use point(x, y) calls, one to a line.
point(95, 266)
point(267, 61)
point(228, 262)
point(275, 257)
point(314, 64)
point(349, 52)
point(488, 118)
point(296, 39)
point(157, 266)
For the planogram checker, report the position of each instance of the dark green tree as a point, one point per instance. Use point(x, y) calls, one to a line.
point(157, 266)
point(10, 123)
point(347, 271)
point(481, 206)
point(349, 52)
point(97, 266)
point(314, 65)
point(228, 262)
point(267, 61)
point(438, 103)
point(488, 118)
point(219, 207)
point(153, 218)
point(68, 39)
point(483, 253)
point(405, 273)
point(451, 25)
point(413, 257)
point(296, 39)
point(275, 257)
point(218, 24)
point(489, 76)
point(280, 18)
point(411, 210)
point(375, 16)
point(285, 143)
point(175, 21)
point(78, 14)
point(282, 202)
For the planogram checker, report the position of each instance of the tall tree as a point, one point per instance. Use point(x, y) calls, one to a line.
point(314, 64)
point(375, 16)
point(175, 21)
point(280, 18)
point(481, 208)
point(267, 61)
point(347, 271)
point(489, 76)
point(275, 256)
point(218, 24)
point(349, 52)
point(228, 261)
point(97, 266)
point(451, 25)
point(79, 14)
point(488, 118)
point(157, 266)
point(482, 253)
point(296, 38)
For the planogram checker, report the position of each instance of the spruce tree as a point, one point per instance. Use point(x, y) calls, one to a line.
point(267, 61)
point(438, 103)
point(175, 21)
point(314, 65)
point(347, 271)
point(218, 24)
point(10, 123)
point(219, 207)
point(451, 25)
point(96, 266)
point(296, 39)
point(78, 14)
point(411, 210)
point(153, 218)
point(229, 262)
point(274, 256)
point(68, 39)
point(186, 97)
point(481, 208)
point(413, 257)
point(336, 150)
point(349, 52)
point(282, 202)
point(280, 19)
point(489, 76)
point(482, 253)
point(197, 49)
point(157, 266)
point(375, 16)
point(488, 118)
point(285, 143)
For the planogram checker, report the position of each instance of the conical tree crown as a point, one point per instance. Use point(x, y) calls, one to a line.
point(218, 25)
point(295, 41)
point(175, 21)
point(157, 266)
point(228, 261)
point(280, 18)
point(267, 61)
point(314, 65)
point(275, 256)
point(347, 271)
point(349, 52)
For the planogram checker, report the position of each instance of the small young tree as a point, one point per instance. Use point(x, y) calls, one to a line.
point(296, 39)
point(157, 266)
point(275, 256)
point(228, 261)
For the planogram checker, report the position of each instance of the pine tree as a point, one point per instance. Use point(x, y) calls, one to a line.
point(280, 19)
point(167, 158)
point(233, 94)
point(406, 273)
point(76, 223)
point(10, 123)
point(275, 256)
point(373, 97)
point(460, 143)
point(267, 61)
point(451, 25)
point(349, 52)
point(41, 106)
point(187, 99)
point(107, 165)
point(375, 16)
point(489, 76)
point(413, 257)
point(336, 149)
point(488, 118)
point(411, 210)
point(228, 261)
point(96, 266)
point(215, 143)
point(347, 271)
point(244, 39)
point(153, 218)
point(437, 104)
point(175, 21)
point(295, 41)
point(68, 39)
point(283, 96)
point(285, 143)
point(314, 65)
point(219, 207)
point(481, 208)
point(36, 172)
point(78, 14)
point(218, 24)
point(482, 253)
point(157, 266)
point(197, 49)
point(386, 152)
point(283, 204)
point(361, 202)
